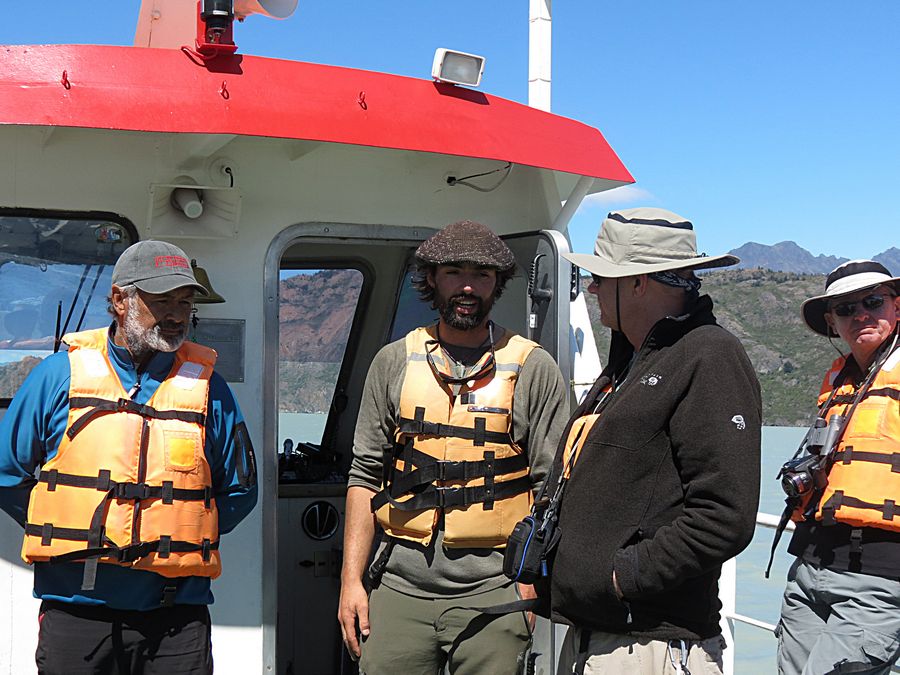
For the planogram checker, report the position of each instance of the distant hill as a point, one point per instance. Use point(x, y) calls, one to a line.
point(890, 259)
point(762, 308)
point(787, 256)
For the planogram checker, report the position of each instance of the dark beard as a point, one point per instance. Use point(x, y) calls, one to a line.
point(445, 307)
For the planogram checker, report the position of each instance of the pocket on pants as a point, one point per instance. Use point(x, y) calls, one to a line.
point(879, 648)
point(713, 652)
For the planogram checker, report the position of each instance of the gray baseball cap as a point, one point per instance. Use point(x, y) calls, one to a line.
point(155, 267)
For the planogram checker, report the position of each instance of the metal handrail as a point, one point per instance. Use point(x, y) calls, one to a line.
point(729, 581)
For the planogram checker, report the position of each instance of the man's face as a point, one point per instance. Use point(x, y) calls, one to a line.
point(155, 322)
point(463, 294)
point(605, 291)
point(864, 329)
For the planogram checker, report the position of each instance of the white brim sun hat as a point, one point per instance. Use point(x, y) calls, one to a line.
point(645, 240)
point(850, 277)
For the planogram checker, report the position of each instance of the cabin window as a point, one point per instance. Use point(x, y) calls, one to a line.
point(317, 308)
point(55, 274)
point(411, 311)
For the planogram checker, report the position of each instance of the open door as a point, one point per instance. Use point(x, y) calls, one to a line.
point(536, 302)
point(340, 298)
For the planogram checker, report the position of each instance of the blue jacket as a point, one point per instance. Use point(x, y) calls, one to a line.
point(30, 433)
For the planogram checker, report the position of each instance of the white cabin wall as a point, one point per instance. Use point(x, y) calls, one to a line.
point(282, 183)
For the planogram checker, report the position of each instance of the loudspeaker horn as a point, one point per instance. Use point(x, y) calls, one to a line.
point(276, 9)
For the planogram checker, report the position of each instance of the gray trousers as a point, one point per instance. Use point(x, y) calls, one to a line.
point(419, 636)
point(838, 622)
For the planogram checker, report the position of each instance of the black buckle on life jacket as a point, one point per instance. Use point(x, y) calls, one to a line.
point(165, 546)
point(131, 491)
point(832, 505)
point(895, 462)
point(52, 477)
point(889, 510)
point(444, 495)
point(130, 554)
point(856, 541)
point(168, 492)
point(205, 550)
point(207, 497)
point(450, 470)
point(168, 596)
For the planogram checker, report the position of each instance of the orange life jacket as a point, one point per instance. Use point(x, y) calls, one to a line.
point(864, 479)
point(454, 451)
point(130, 483)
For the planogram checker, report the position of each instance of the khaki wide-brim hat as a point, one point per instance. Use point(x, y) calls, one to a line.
point(645, 240)
point(850, 277)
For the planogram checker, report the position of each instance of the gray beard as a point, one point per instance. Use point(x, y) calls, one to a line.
point(141, 342)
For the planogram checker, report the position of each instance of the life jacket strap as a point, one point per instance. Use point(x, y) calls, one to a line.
point(430, 470)
point(121, 554)
point(126, 490)
point(848, 454)
point(100, 406)
point(476, 433)
point(888, 507)
point(437, 497)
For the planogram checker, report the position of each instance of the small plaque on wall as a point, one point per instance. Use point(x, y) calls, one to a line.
point(226, 336)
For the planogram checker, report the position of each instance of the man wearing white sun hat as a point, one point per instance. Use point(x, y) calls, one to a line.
point(841, 608)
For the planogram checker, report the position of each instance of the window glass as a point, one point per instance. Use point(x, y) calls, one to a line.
point(54, 278)
point(412, 312)
point(316, 310)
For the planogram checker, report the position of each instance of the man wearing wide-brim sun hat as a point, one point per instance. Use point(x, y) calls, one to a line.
point(841, 608)
point(666, 485)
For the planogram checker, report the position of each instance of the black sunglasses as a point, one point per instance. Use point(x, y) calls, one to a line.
point(869, 303)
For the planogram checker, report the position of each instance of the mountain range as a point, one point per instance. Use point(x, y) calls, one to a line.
point(787, 256)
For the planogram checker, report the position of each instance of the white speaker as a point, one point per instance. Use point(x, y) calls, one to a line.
point(276, 9)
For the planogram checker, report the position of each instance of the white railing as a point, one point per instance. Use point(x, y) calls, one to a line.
point(728, 595)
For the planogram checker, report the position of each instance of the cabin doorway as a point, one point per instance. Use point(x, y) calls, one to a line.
point(337, 294)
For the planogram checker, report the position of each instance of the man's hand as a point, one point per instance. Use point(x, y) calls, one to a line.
point(527, 592)
point(353, 606)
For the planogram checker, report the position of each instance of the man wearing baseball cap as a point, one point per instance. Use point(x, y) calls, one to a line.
point(841, 608)
point(665, 486)
point(456, 430)
point(125, 458)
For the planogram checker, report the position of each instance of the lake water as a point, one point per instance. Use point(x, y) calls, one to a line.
point(757, 596)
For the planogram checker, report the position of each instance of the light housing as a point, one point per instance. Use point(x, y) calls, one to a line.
point(455, 67)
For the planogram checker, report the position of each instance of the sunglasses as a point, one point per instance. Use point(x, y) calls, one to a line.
point(869, 303)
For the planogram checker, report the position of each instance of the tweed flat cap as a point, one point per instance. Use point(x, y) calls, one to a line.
point(466, 241)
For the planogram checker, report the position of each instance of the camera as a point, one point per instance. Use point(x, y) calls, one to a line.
point(799, 476)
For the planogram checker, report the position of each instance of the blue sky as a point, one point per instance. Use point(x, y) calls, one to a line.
point(760, 121)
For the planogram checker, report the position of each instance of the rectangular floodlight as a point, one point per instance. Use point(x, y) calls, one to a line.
point(457, 67)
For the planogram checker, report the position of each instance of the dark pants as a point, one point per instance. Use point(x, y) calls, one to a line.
point(78, 640)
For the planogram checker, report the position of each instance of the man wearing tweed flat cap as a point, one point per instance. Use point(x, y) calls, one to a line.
point(666, 483)
point(457, 428)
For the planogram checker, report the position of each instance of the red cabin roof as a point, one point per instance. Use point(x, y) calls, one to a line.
point(162, 90)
